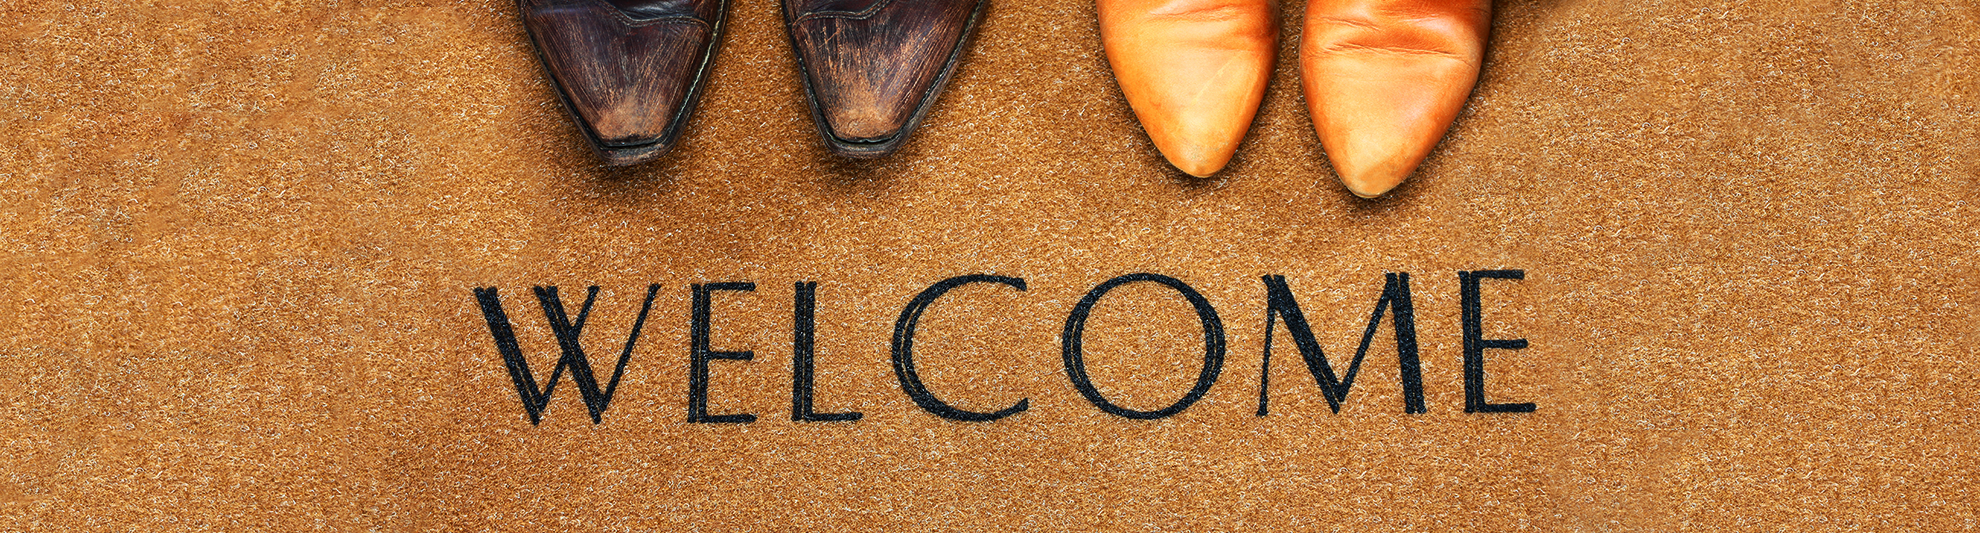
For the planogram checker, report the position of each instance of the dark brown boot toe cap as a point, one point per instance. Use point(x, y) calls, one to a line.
point(629, 71)
point(872, 68)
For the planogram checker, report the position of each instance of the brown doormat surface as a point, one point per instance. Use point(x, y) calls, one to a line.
point(262, 261)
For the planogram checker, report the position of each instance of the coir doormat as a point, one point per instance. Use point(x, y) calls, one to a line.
point(349, 266)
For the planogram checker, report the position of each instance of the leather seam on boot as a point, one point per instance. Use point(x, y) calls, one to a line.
point(852, 15)
point(629, 21)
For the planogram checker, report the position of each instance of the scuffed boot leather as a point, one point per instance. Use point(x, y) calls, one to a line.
point(629, 71)
point(872, 68)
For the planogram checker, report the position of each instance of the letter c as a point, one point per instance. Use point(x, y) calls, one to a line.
point(904, 350)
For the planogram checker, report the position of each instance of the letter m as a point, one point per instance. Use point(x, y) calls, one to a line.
point(534, 400)
point(1279, 303)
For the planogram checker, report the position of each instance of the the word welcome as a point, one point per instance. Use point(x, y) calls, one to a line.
point(1280, 306)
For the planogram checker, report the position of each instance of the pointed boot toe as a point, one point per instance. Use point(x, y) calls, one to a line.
point(1384, 79)
point(872, 68)
point(629, 71)
point(1194, 71)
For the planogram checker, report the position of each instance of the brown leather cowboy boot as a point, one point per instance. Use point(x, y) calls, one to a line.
point(629, 71)
point(872, 68)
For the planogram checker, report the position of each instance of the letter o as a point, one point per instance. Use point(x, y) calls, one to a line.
point(1213, 346)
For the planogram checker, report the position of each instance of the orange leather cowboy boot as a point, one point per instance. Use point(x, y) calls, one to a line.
point(1193, 70)
point(1385, 78)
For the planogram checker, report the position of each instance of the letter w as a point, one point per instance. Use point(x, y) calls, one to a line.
point(1279, 303)
point(567, 332)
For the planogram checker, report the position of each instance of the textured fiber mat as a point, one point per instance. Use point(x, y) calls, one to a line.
point(243, 242)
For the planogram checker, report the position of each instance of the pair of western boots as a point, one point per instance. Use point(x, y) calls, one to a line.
point(630, 71)
point(1383, 79)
